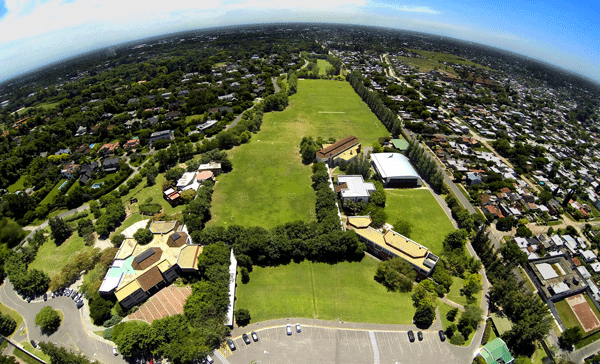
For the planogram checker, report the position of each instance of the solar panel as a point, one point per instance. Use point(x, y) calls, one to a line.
point(145, 255)
point(175, 236)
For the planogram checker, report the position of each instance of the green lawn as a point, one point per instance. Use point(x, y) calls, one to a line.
point(142, 192)
point(444, 309)
point(12, 313)
point(130, 221)
point(17, 186)
point(445, 57)
point(37, 352)
point(567, 316)
point(51, 258)
point(323, 65)
point(318, 290)
point(54, 192)
point(419, 207)
point(269, 185)
point(455, 296)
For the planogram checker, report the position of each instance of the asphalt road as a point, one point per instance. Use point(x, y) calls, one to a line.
point(71, 333)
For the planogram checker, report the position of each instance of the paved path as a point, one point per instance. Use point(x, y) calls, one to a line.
point(275, 85)
point(72, 334)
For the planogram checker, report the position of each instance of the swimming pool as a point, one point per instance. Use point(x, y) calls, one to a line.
point(63, 185)
point(97, 185)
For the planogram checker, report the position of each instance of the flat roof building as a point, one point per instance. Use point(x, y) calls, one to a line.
point(354, 188)
point(395, 170)
point(389, 244)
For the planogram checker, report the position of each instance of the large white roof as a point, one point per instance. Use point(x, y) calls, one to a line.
point(547, 271)
point(393, 165)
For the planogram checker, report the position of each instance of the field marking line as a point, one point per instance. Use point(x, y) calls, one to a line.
point(331, 112)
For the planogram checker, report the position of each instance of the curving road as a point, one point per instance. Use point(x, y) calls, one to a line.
point(71, 334)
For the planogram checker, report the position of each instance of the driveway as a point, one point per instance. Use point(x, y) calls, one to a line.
point(70, 335)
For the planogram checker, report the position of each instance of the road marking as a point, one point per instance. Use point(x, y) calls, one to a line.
point(399, 344)
point(374, 345)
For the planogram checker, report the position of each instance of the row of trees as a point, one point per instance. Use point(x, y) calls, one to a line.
point(529, 315)
point(425, 165)
point(377, 106)
point(27, 282)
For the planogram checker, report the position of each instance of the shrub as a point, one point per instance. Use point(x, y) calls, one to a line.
point(451, 315)
point(242, 316)
point(487, 333)
point(457, 339)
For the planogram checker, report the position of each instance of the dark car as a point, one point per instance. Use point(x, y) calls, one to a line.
point(45, 297)
point(33, 344)
point(231, 344)
point(80, 304)
point(411, 336)
point(442, 335)
point(254, 336)
point(246, 338)
point(420, 336)
point(28, 299)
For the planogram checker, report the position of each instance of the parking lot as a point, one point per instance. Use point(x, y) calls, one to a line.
point(317, 344)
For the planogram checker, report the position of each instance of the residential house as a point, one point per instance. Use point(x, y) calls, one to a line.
point(86, 171)
point(132, 143)
point(160, 135)
point(108, 148)
point(110, 165)
point(69, 170)
point(214, 167)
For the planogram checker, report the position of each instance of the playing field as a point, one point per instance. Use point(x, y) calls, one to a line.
point(318, 290)
point(430, 224)
point(269, 185)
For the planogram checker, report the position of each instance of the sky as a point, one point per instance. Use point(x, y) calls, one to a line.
point(34, 33)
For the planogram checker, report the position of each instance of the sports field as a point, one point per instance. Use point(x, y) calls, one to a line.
point(318, 290)
point(430, 224)
point(269, 185)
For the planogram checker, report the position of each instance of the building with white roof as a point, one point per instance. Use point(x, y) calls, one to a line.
point(584, 272)
point(354, 188)
point(589, 256)
point(395, 170)
point(186, 179)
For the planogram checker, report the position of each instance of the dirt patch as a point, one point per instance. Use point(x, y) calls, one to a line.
point(586, 316)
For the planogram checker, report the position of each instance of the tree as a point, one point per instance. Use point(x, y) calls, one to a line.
point(505, 223)
point(7, 359)
point(403, 227)
point(60, 229)
point(570, 336)
point(451, 315)
point(47, 319)
point(117, 239)
point(472, 285)
point(8, 325)
point(245, 275)
point(455, 240)
point(524, 232)
point(143, 236)
point(62, 355)
point(457, 339)
point(396, 274)
point(242, 316)
point(100, 309)
point(424, 315)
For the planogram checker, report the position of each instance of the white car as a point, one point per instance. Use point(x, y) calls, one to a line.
point(298, 330)
point(115, 352)
point(288, 329)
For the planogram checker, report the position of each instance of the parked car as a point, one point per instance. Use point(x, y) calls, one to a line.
point(73, 294)
point(209, 360)
point(80, 304)
point(28, 299)
point(442, 335)
point(52, 295)
point(33, 344)
point(45, 297)
point(231, 344)
point(115, 352)
point(411, 336)
point(246, 338)
point(288, 329)
point(298, 330)
point(254, 336)
point(420, 336)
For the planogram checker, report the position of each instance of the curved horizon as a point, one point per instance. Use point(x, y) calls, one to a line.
point(561, 34)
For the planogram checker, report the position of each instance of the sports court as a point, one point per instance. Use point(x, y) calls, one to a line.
point(167, 302)
point(588, 320)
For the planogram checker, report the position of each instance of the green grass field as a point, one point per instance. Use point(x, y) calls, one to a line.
point(318, 290)
point(51, 258)
point(323, 65)
point(53, 192)
point(269, 185)
point(12, 313)
point(17, 186)
point(40, 354)
point(567, 316)
point(445, 57)
point(419, 207)
point(142, 192)
point(455, 296)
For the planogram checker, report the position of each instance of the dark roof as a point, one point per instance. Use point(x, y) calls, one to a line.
point(338, 147)
point(150, 279)
point(177, 239)
point(146, 258)
point(338, 188)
